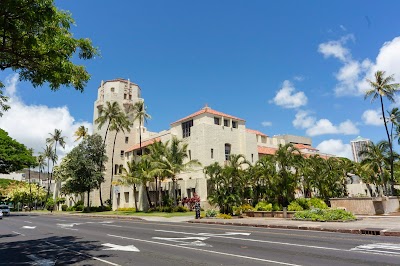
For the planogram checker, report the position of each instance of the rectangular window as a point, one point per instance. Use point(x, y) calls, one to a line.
point(122, 153)
point(227, 151)
point(234, 124)
point(115, 169)
point(125, 96)
point(130, 96)
point(190, 155)
point(126, 196)
point(252, 157)
point(226, 122)
point(186, 128)
point(212, 153)
point(217, 120)
point(126, 139)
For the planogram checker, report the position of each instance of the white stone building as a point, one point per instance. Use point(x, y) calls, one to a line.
point(211, 137)
point(357, 145)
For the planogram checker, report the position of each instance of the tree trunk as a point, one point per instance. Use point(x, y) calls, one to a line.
point(88, 201)
point(159, 192)
point(134, 197)
point(112, 166)
point(48, 180)
point(157, 203)
point(391, 182)
point(30, 189)
point(148, 196)
point(101, 166)
point(174, 189)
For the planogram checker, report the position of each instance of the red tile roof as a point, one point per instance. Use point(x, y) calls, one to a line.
point(303, 146)
point(255, 132)
point(120, 80)
point(207, 110)
point(144, 144)
point(266, 150)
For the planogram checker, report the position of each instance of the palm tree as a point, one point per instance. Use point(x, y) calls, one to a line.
point(108, 115)
point(174, 162)
point(394, 118)
point(145, 175)
point(121, 123)
point(157, 151)
point(56, 138)
point(383, 87)
point(49, 154)
point(41, 163)
point(140, 113)
point(376, 159)
point(81, 132)
point(129, 178)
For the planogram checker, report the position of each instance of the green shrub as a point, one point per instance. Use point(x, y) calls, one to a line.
point(303, 202)
point(167, 209)
point(324, 215)
point(50, 204)
point(126, 209)
point(71, 209)
point(294, 206)
point(181, 209)
point(263, 206)
point(211, 213)
point(78, 208)
point(277, 207)
point(64, 207)
point(224, 216)
point(317, 203)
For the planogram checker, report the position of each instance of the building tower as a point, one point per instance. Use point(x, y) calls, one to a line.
point(357, 145)
point(126, 94)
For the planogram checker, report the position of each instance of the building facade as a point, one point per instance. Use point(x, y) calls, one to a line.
point(357, 145)
point(211, 137)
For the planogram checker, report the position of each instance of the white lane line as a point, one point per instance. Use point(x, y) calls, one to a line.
point(120, 247)
point(88, 256)
point(207, 251)
point(255, 240)
point(17, 233)
point(62, 220)
point(113, 225)
point(28, 227)
point(29, 222)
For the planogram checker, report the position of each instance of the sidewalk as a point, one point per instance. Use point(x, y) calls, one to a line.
point(372, 225)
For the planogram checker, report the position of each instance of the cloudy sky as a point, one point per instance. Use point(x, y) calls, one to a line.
point(286, 67)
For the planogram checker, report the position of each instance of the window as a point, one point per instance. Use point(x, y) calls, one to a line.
point(112, 89)
point(125, 96)
point(115, 169)
point(217, 120)
point(190, 155)
point(234, 124)
point(226, 122)
point(122, 153)
point(252, 157)
point(126, 196)
point(126, 139)
point(186, 128)
point(212, 153)
point(227, 151)
point(120, 169)
point(130, 96)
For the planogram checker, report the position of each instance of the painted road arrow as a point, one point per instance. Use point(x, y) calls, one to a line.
point(28, 227)
point(120, 248)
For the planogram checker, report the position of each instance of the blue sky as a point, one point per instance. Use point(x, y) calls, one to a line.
point(286, 67)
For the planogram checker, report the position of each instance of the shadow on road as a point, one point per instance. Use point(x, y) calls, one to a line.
point(48, 251)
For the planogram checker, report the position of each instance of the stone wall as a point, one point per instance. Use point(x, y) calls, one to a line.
point(367, 205)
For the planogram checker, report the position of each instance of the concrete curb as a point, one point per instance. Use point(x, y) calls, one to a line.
point(366, 231)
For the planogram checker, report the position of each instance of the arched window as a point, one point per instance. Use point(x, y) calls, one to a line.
point(227, 151)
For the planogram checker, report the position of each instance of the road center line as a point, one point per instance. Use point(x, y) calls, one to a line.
point(205, 250)
point(255, 240)
point(88, 256)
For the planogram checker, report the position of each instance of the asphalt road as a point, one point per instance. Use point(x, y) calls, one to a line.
point(63, 240)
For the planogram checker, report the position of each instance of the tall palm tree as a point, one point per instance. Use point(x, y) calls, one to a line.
point(108, 116)
point(41, 163)
point(383, 87)
point(376, 160)
point(145, 175)
point(121, 123)
point(56, 138)
point(140, 113)
point(49, 154)
point(157, 151)
point(129, 178)
point(81, 132)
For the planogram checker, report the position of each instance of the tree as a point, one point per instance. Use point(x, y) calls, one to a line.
point(81, 132)
point(55, 139)
point(14, 156)
point(110, 115)
point(129, 178)
point(157, 151)
point(49, 154)
point(37, 43)
point(383, 87)
point(41, 163)
point(81, 169)
point(140, 113)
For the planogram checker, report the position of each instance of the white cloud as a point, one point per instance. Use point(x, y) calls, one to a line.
point(372, 118)
point(315, 127)
point(336, 147)
point(299, 78)
point(288, 98)
point(31, 124)
point(343, 28)
point(352, 75)
point(303, 120)
point(266, 124)
point(336, 48)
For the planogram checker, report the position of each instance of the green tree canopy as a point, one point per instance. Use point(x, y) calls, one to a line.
point(14, 156)
point(37, 43)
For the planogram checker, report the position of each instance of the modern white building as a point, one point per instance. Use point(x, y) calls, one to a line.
point(357, 145)
point(211, 137)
